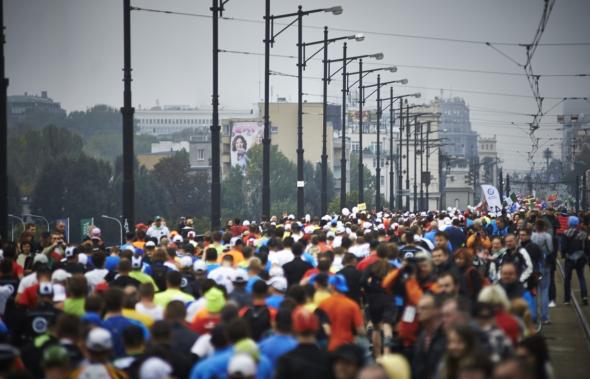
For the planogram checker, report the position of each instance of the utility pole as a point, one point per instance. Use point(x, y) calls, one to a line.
point(400, 175)
point(343, 158)
point(428, 177)
point(361, 165)
point(324, 189)
point(378, 169)
point(408, 156)
point(391, 159)
point(266, 136)
point(127, 111)
point(421, 167)
point(3, 135)
point(415, 164)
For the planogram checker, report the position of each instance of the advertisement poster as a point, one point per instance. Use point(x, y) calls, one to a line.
point(244, 136)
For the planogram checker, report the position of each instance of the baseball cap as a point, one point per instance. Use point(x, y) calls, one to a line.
point(136, 262)
point(177, 238)
point(199, 265)
point(215, 300)
point(239, 276)
point(242, 365)
point(278, 282)
point(55, 356)
point(157, 218)
point(70, 251)
point(45, 289)
point(186, 262)
point(60, 275)
point(339, 282)
point(304, 321)
point(155, 368)
point(573, 221)
point(41, 258)
point(150, 244)
point(99, 340)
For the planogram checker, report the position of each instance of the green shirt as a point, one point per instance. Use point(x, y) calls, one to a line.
point(163, 298)
point(74, 306)
point(142, 277)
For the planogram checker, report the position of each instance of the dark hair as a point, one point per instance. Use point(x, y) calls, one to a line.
point(211, 254)
point(443, 234)
point(238, 330)
point(98, 259)
point(259, 288)
point(113, 300)
point(238, 137)
point(175, 311)
point(132, 336)
point(77, 286)
point(93, 303)
point(173, 278)
point(348, 258)
point(124, 265)
point(297, 249)
point(68, 326)
point(146, 290)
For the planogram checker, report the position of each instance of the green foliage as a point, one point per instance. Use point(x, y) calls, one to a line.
point(368, 181)
point(14, 197)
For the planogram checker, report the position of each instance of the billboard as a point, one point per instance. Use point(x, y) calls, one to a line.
point(244, 136)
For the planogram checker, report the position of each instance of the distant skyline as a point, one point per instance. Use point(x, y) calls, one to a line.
point(73, 49)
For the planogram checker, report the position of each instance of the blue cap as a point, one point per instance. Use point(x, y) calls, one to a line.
point(573, 221)
point(339, 282)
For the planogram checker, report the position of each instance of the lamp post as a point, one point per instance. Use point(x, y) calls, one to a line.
point(3, 135)
point(127, 112)
point(118, 222)
point(361, 74)
point(38, 216)
point(345, 60)
point(298, 18)
point(325, 79)
point(377, 90)
point(22, 222)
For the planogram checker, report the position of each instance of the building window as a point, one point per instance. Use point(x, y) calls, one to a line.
point(201, 154)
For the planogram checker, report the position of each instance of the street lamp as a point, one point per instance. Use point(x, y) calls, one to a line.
point(362, 74)
point(3, 135)
point(345, 60)
point(16, 217)
point(268, 41)
point(118, 222)
point(38, 216)
point(325, 79)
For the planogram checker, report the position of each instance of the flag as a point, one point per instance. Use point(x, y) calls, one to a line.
point(85, 225)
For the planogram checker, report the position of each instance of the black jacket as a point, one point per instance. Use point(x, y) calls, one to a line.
point(295, 270)
point(353, 280)
point(426, 360)
point(305, 361)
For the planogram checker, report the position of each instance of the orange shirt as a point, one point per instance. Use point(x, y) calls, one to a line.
point(237, 255)
point(345, 317)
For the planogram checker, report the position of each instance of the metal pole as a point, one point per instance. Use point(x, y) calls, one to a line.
point(118, 222)
point(127, 111)
point(3, 136)
point(300, 162)
point(415, 207)
point(361, 165)
point(577, 191)
point(215, 128)
point(266, 137)
point(400, 174)
point(584, 192)
point(407, 156)
point(421, 167)
point(378, 170)
point(324, 194)
point(391, 162)
point(427, 168)
point(343, 158)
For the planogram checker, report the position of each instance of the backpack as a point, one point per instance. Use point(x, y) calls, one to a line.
point(259, 319)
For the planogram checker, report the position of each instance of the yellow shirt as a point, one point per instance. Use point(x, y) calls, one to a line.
point(163, 298)
point(135, 315)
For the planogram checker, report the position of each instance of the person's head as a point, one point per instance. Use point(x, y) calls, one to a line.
point(500, 223)
point(68, 327)
point(241, 366)
point(461, 340)
point(441, 239)
point(439, 256)
point(99, 344)
point(146, 291)
point(475, 366)
point(540, 225)
point(77, 286)
point(113, 300)
point(133, 339)
point(508, 273)
point(510, 241)
point(372, 372)
point(124, 266)
point(55, 362)
point(533, 350)
point(428, 309)
point(512, 368)
point(239, 144)
point(211, 254)
point(175, 311)
point(305, 324)
point(173, 279)
point(347, 360)
point(259, 289)
point(497, 243)
point(98, 259)
point(297, 249)
point(455, 311)
point(463, 257)
point(158, 221)
point(524, 234)
point(31, 228)
point(424, 264)
point(448, 283)
point(25, 247)
point(495, 296)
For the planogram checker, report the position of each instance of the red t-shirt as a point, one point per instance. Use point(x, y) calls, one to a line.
point(29, 296)
point(17, 269)
point(345, 316)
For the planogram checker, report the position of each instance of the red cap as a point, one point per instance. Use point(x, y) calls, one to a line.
point(304, 321)
point(141, 227)
point(101, 287)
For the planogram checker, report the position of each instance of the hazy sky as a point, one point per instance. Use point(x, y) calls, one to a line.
point(74, 50)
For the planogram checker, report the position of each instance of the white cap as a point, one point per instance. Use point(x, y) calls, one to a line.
point(136, 262)
point(326, 218)
point(60, 275)
point(330, 234)
point(307, 218)
point(239, 276)
point(242, 364)
point(59, 293)
point(278, 282)
point(41, 258)
point(186, 261)
point(199, 265)
point(83, 259)
point(99, 339)
point(246, 223)
point(177, 238)
point(345, 212)
point(150, 244)
point(70, 250)
point(155, 368)
point(291, 217)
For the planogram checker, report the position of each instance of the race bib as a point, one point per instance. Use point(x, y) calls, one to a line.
point(409, 314)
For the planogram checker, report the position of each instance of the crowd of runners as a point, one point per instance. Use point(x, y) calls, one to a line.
point(370, 295)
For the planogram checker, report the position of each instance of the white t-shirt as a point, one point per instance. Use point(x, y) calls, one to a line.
point(203, 347)
point(281, 257)
point(156, 313)
point(26, 282)
point(96, 276)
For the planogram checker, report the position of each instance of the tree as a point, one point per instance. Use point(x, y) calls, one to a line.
point(233, 195)
point(368, 181)
point(186, 192)
point(14, 198)
point(75, 187)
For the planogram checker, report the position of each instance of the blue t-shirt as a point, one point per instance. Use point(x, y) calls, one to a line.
point(216, 366)
point(274, 301)
point(112, 262)
point(116, 325)
point(276, 346)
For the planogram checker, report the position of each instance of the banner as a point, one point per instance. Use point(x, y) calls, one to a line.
point(492, 197)
point(85, 225)
point(244, 136)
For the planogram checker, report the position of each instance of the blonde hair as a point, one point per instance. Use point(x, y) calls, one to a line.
point(494, 295)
